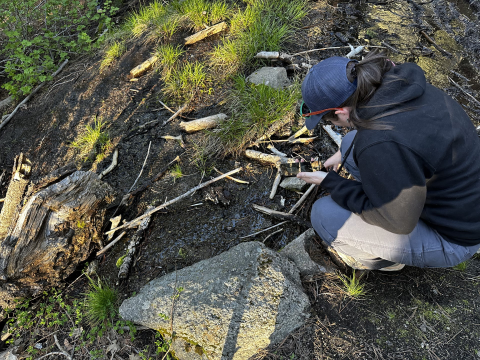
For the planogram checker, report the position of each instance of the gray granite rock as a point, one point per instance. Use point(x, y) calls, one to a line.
point(231, 305)
point(296, 251)
point(293, 183)
point(275, 77)
point(9, 354)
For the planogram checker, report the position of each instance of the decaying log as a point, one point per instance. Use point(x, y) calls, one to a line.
point(143, 67)
point(20, 179)
point(132, 245)
point(282, 216)
point(203, 123)
point(135, 221)
point(205, 33)
point(52, 234)
point(7, 119)
point(333, 135)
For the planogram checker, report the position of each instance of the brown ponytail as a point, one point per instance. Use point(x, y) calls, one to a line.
point(369, 75)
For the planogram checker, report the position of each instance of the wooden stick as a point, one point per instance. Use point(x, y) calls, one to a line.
point(270, 235)
point(205, 33)
point(173, 111)
point(2, 200)
point(462, 90)
point(191, 191)
point(276, 182)
point(274, 150)
point(262, 231)
point(299, 133)
point(112, 165)
point(269, 55)
point(4, 122)
point(139, 70)
point(321, 49)
point(232, 178)
point(430, 40)
point(179, 111)
point(282, 216)
point(143, 166)
point(203, 123)
point(113, 242)
point(333, 135)
point(302, 199)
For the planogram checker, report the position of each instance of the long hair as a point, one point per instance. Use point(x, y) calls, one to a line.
point(370, 75)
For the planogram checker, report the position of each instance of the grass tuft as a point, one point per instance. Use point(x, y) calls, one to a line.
point(94, 142)
point(168, 57)
point(101, 305)
point(115, 50)
point(182, 84)
point(462, 266)
point(352, 285)
point(254, 109)
point(176, 172)
point(199, 13)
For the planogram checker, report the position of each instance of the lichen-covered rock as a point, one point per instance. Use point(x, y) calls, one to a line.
point(229, 306)
point(296, 251)
point(275, 77)
point(293, 183)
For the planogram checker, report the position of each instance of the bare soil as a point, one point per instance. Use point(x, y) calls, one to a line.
point(412, 314)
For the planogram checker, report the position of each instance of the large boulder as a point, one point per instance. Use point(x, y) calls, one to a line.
point(229, 306)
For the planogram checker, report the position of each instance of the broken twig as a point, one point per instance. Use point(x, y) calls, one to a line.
point(430, 40)
point(112, 165)
point(282, 215)
point(262, 231)
point(113, 242)
point(276, 182)
point(333, 135)
point(232, 178)
point(462, 90)
point(143, 166)
point(302, 199)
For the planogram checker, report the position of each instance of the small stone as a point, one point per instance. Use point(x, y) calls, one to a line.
point(275, 77)
point(293, 183)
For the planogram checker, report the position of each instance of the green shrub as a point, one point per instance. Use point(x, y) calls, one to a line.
point(41, 35)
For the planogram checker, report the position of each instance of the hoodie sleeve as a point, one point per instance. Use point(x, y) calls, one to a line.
point(393, 189)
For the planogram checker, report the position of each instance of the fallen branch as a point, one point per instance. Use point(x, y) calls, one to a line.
point(139, 70)
point(203, 123)
point(430, 40)
point(232, 178)
point(270, 235)
point(173, 111)
point(269, 158)
point(262, 231)
point(135, 221)
point(132, 245)
point(205, 33)
point(302, 199)
point(299, 133)
point(462, 90)
point(113, 242)
point(4, 122)
point(61, 349)
point(112, 165)
point(282, 216)
point(333, 135)
point(179, 111)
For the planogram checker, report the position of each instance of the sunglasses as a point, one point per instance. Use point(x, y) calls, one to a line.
point(305, 111)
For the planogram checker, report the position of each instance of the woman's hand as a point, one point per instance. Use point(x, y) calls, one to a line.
point(315, 177)
point(334, 161)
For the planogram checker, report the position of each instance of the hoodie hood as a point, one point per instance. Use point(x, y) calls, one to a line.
point(403, 83)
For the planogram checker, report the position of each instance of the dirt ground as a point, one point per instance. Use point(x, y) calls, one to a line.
point(412, 314)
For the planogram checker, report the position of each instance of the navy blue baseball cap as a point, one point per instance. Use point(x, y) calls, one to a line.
point(326, 86)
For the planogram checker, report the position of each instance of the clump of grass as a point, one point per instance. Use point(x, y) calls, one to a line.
point(263, 25)
point(352, 285)
point(202, 12)
point(254, 109)
point(176, 172)
point(94, 142)
point(183, 83)
point(168, 57)
point(115, 50)
point(462, 266)
point(101, 306)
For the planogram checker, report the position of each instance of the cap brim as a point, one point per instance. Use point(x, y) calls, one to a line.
point(312, 121)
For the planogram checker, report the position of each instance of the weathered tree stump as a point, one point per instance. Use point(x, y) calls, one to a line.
point(52, 234)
